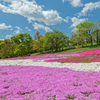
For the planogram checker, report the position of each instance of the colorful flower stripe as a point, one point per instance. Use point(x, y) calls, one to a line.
point(76, 60)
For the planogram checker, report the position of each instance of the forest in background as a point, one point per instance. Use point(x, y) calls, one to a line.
point(22, 43)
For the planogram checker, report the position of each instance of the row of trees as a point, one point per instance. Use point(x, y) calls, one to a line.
point(87, 32)
point(51, 40)
point(18, 45)
point(22, 43)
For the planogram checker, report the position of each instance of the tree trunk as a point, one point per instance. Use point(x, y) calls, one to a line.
point(56, 47)
point(59, 49)
point(52, 49)
point(97, 38)
point(91, 41)
point(62, 48)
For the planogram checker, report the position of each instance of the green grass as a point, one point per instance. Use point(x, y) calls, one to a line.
point(70, 50)
point(78, 48)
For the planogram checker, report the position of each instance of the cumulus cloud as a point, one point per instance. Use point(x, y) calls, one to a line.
point(39, 26)
point(28, 28)
point(74, 31)
point(8, 36)
point(74, 3)
point(32, 11)
point(18, 30)
point(89, 6)
point(77, 21)
point(3, 26)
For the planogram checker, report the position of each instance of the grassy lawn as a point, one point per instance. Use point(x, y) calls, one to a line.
point(71, 50)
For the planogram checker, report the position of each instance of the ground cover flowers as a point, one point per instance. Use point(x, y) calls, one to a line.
point(76, 59)
point(45, 83)
point(79, 57)
point(91, 52)
point(37, 57)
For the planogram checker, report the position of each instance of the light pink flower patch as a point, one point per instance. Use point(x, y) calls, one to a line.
point(65, 54)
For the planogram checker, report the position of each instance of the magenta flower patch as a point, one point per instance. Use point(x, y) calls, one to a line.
point(34, 82)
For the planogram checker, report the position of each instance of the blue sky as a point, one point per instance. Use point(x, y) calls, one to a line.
point(30, 16)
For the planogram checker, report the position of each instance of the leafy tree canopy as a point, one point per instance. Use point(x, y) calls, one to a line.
point(86, 29)
point(20, 49)
point(85, 26)
point(55, 39)
point(24, 38)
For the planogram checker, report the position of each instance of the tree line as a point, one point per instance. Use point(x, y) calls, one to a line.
point(87, 32)
point(22, 43)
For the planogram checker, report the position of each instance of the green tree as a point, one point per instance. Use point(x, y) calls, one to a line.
point(48, 43)
point(14, 39)
point(7, 49)
point(97, 30)
point(1, 45)
point(1, 41)
point(86, 29)
point(38, 44)
point(55, 39)
point(41, 42)
point(20, 49)
point(65, 42)
point(4, 52)
point(24, 38)
point(4, 42)
point(76, 38)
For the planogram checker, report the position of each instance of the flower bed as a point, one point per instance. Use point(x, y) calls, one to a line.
point(44, 83)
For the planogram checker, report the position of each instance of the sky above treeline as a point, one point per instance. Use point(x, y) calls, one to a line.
point(30, 16)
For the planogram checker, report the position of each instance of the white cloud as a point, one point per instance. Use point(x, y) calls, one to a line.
point(1, 39)
point(3, 26)
point(74, 3)
point(28, 28)
point(11, 29)
point(39, 26)
point(18, 30)
point(32, 11)
point(77, 21)
point(89, 6)
point(66, 20)
point(8, 36)
point(74, 30)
